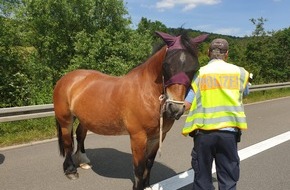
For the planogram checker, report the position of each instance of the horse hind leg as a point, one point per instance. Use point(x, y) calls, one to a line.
point(80, 156)
point(65, 141)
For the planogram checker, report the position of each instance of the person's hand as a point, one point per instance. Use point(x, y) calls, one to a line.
point(251, 77)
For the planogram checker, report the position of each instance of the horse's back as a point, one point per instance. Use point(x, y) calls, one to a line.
point(76, 76)
point(96, 99)
point(66, 86)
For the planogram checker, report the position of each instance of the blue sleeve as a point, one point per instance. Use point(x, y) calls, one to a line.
point(189, 96)
point(246, 90)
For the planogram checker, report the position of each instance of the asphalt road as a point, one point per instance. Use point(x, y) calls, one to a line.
point(38, 166)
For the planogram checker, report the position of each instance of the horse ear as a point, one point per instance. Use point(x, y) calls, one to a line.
point(199, 39)
point(167, 38)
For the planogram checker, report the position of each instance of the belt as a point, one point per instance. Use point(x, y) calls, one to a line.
point(201, 131)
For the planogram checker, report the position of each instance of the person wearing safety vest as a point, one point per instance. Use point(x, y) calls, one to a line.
point(216, 117)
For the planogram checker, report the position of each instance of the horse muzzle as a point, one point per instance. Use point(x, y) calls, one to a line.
point(174, 109)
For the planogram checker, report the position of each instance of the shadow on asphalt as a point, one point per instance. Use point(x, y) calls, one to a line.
point(2, 158)
point(112, 163)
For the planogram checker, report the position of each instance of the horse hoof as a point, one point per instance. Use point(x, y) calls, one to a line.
point(85, 166)
point(148, 188)
point(72, 176)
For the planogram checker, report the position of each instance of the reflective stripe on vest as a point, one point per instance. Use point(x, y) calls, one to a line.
point(223, 85)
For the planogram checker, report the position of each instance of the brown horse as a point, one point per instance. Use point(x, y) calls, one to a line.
point(131, 104)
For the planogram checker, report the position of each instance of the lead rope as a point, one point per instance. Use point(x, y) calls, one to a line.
point(162, 97)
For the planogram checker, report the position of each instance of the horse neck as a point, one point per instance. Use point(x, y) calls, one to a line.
point(150, 71)
point(148, 75)
point(153, 65)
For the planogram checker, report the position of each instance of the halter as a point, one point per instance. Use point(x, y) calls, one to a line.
point(164, 100)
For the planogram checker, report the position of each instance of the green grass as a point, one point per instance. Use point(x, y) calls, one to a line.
point(266, 95)
point(19, 132)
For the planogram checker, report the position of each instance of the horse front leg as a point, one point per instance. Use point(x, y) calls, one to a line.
point(152, 148)
point(80, 156)
point(138, 146)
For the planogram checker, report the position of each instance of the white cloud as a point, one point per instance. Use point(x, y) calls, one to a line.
point(203, 27)
point(228, 31)
point(186, 4)
point(231, 31)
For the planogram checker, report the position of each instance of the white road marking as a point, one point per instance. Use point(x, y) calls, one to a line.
point(185, 178)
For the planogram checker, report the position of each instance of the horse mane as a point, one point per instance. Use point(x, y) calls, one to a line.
point(188, 44)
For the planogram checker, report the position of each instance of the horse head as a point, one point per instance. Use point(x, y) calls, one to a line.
point(179, 66)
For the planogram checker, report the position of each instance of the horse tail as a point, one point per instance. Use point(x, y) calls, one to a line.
point(60, 140)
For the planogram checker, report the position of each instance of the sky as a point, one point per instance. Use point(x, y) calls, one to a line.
point(227, 17)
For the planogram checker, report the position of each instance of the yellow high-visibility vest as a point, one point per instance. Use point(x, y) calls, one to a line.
point(217, 104)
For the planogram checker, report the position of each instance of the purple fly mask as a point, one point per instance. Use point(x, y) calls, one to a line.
point(180, 78)
point(175, 43)
point(172, 42)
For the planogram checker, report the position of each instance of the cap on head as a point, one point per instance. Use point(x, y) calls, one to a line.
point(220, 45)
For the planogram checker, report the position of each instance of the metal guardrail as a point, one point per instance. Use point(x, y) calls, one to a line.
point(26, 112)
point(262, 87)
point(46, 110)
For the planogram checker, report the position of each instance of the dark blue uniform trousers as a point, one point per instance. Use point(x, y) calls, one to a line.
point(220, 146)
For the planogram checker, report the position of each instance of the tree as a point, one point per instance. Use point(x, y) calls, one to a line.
point(13, 83)
point(113, 55)
point(259, 24)
point(146, 25)
point(281, 61)
point(255, 53)
point(23, 80)
point(53, 26)
point(265, 54)
point(41, 40)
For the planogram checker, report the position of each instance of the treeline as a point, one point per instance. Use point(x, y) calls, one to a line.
point(42, 40)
